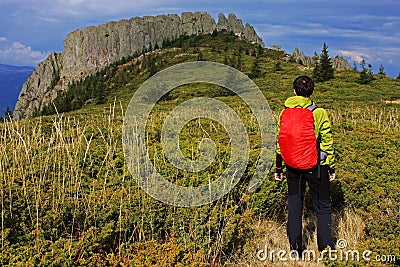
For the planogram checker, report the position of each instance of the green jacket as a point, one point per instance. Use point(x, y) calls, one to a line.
point(322, 127)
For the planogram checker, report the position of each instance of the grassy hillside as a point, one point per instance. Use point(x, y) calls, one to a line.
point(67, 197)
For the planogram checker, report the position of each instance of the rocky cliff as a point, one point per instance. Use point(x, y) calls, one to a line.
point(92, 48)
point(338, 62)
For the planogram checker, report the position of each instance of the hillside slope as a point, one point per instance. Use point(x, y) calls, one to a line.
point(92, 48)
point(69, 198)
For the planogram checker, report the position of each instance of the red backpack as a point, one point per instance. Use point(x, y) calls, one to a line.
point(296, 138)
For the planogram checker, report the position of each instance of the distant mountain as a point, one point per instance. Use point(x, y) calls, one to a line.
point(11, 80)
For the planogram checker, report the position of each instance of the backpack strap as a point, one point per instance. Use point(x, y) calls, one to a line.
point(312, 108)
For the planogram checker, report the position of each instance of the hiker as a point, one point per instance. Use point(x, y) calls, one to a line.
point(305, 163)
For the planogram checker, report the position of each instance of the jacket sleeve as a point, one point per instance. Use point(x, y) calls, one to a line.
point(278, 127)
point(323, 127)
point(278, 157)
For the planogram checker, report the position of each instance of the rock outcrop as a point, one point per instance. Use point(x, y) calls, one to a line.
point(90, 49)
point(338, 62)
point(38, 87)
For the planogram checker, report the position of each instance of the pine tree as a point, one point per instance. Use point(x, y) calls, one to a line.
point(366, 73)
point(260, 51)
point(277, 66)
point(200, 56)
point(8, 113)
point(381, 70)
point(239, 64)
point(355, 66)
point(323, 70)
point(255, 70)
point(226, 60)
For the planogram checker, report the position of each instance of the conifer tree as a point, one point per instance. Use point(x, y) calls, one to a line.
point(355, 66)
point(323, 70)
point(381, 70)
point(8, 113)
point(255, 70)
point(200, 56)
point(366, 73)
point(239, 63)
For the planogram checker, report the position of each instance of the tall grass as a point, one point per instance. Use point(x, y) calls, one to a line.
point(68, 198)
point(55, 176)
point(386, 119)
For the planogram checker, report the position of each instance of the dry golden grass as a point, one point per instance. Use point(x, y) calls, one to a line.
point(347, 225)
point(386, 119)
point(392, 102)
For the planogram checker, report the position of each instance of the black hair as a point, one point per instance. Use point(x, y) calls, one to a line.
point(303, 86)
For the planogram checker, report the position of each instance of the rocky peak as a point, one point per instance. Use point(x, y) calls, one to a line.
point(338, 62)
point(234, 24)
point(92, 48)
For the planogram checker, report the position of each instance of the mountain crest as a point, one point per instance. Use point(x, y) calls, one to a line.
point(92, 48)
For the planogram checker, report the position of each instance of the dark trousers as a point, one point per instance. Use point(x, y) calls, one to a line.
point(321, 198)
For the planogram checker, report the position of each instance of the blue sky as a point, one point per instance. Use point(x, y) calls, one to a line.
point(30, 29)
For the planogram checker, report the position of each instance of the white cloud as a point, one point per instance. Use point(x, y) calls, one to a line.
point(71, 2)
point(20, 54)
point(356, 56)
point(3, 39)
point(47, 19)
point(372, 54)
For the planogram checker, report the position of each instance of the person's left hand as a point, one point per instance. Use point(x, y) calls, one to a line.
point(279, 176)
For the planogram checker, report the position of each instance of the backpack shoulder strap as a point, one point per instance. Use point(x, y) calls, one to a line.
point(312, 108)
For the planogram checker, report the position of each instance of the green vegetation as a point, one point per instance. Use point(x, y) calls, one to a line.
point(366, 75)
point(68, 199)
point(323, 70)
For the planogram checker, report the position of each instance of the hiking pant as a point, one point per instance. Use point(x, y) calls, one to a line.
point(321, 199)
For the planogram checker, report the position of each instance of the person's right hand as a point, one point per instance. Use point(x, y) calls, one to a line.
point(332, 174)
point(332, 177)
